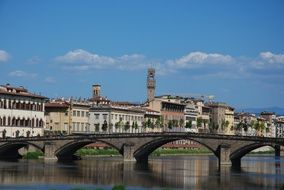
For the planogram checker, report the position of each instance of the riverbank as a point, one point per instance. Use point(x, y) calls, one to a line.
point(91, 152)
point(33, 155)
point(158, 152)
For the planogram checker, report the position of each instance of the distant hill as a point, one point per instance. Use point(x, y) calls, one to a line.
point(276, 110)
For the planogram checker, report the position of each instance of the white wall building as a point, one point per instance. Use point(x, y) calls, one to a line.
point(111, 119)
point(21, 112)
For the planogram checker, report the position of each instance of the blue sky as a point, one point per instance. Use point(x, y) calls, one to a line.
point(233, 50)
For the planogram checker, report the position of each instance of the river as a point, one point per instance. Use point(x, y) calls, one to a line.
point(165, 172)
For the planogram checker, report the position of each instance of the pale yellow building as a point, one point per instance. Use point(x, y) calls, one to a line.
point(67, 116)
point(222, 117)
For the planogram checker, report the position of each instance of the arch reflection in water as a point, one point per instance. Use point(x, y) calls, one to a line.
point(177, 172)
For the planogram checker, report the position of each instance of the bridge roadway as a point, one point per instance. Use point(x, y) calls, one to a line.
point(138, 146)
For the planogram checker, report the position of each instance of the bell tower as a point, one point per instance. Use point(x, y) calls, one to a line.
point(96, 89)
point(151, 84)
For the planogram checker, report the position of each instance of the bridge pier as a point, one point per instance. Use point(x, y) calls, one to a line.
point(279, 150)
point(128, 151)
point(224, 155)
point(49, 151)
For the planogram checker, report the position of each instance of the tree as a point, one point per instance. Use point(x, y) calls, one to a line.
point(256, 126)
point(204, 122)
point(245, 127)
point(148, 123)
point(227, 123)
point(116, 125)
point(97, 127)
point(223, 125)
point(199, 122)
point(188, 125)
point(175, 123)
point(28, 133)
point(104, 126)
point(17, 133)
point(170, 124)
point(4, 133)
point(135, 125)
point(126, 126)
point(261, 126)
point(181, 123)
point(158, 122)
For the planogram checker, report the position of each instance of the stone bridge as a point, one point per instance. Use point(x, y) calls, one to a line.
point(138, 146)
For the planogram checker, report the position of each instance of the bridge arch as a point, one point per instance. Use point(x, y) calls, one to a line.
point(237, 155)
point(67, 151)
point(10, 150)
point(142, 153)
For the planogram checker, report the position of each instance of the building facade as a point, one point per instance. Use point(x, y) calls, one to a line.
point(21, 112)
point(80, 116)
point(68, 116)
point(58, 117)
point(110, 119)
point(172, 112)
point(222, 117)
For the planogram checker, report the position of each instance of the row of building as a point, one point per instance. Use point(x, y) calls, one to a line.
point(26, 114)
point(23, 113)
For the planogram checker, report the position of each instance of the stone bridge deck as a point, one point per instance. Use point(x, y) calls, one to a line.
point(137, 146)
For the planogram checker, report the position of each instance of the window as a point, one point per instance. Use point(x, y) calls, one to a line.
point(82, 126)
point(104, 116)
point(65, 127)
point(116, 116)
point(66, 113)
point(82, 113)
point(73, 125)
point(78, 113)
point(78, 126)
point(97, 116)
point(74, 113)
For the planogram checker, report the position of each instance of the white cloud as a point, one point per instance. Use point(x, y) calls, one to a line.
point(197, 59)
point(19, 73)
point(83, 60)
point(49, 80)
point(272, 58)
point(196, 64)
point(4, 56)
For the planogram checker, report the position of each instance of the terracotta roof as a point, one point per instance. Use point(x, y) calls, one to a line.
point(27, 94)
point(124, 103)
point(56, 105)
point(149, 110)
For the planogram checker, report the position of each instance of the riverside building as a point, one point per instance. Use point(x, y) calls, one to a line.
point(21, 112)
point(111, 119)
point(68, 116)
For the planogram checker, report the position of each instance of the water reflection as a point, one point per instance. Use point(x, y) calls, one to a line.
point(177, 172)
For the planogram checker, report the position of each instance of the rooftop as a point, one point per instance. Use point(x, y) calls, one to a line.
point(18, 91)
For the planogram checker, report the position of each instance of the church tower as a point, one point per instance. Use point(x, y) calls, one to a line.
point(151, 84)
point(96, 90)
